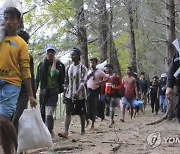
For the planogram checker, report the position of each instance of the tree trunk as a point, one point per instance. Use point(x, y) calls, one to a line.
point(113, 55)
point(113, 52)
point(170, 32)
point(171, 36)
point(81, 30)
point(131, 34)
point(103, 29)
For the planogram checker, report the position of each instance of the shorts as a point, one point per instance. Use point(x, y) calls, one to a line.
point(111, 101)
point(76, 107)
point(126, 101)
point(9, 94)
point(51, 97)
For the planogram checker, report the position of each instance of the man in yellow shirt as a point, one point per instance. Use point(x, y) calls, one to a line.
point(14, 67)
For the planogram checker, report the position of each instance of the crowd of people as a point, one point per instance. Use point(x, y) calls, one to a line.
point(89, 93)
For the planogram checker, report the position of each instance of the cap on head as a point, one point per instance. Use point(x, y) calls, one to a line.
point(49, 47)
point(164, 75)
point(76, 50)
point(109, 66)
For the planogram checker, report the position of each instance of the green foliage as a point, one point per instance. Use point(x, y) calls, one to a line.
point(55, 22)
point(123, 51)
point(60, 10)
point(48, 21)
point(93, 51)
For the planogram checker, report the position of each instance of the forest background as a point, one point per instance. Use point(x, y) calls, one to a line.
point(136, 33)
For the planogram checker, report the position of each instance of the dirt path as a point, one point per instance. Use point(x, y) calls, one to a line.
point(126, 138)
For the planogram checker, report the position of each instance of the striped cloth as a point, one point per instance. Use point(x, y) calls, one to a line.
point(75, 76)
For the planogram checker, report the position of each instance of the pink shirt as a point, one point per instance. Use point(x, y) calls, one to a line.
point(99, 75)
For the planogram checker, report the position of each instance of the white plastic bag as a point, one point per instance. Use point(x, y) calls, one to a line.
point(101, 65)
point(32, 132)
point(2, 27)
point(11, 3)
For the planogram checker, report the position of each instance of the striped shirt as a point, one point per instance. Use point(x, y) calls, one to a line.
point(75, 76)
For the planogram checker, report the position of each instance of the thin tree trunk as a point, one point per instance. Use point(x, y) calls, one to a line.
point(103, 30)
point(113, 51)
point(131, 34)
point(170, 32)
point(81, 30)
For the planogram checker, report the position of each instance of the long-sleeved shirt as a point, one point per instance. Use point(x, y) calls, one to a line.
point(14, 63)
point(175, 64)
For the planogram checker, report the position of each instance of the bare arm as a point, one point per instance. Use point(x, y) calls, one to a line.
point(28, 85)
point(158, 92)
point(169, 92)
point(54, 64)
point(136, 89)
point(105, 77)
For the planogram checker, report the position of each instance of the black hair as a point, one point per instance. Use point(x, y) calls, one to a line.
point(109, 66)
point(13, 11)
point(130, 68)
point(156, 77)
point(94, 59)
point(142, 73)
point(24, 35)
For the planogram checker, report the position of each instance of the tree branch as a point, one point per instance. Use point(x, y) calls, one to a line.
point(160, 40)
point(157, 22)
point(33, 8)
point(38, 29)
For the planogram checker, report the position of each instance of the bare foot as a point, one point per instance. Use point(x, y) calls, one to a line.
point(52, 134)
point(111, 124)
point(63, 135)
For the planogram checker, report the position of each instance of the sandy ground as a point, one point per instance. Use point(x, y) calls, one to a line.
point(125, 138)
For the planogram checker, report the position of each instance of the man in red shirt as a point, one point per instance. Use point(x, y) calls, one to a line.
point(131, 92)
point(111, 87)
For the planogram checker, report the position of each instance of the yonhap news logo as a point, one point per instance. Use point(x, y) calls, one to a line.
point(155, 139)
